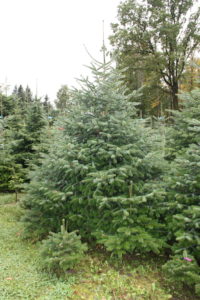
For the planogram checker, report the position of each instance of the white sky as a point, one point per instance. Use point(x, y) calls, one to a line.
point(42, 40)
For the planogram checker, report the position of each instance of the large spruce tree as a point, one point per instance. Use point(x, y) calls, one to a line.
point(100, 174)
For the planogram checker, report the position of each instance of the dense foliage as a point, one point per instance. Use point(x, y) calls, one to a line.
point(101, 173)
point(183, 191)
point(24, 134)
point(124, 183)
point(109, 175)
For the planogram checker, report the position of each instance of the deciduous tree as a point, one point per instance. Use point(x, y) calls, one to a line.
point(162, 34)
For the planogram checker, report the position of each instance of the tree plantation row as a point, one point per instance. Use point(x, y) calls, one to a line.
point(114, 180)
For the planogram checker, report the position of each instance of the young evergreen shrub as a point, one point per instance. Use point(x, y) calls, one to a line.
point(62, 250)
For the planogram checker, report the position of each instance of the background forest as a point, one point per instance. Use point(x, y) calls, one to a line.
point(116, 162)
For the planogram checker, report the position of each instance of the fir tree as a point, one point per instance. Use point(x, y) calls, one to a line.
point(25, 134)
point(62, 250)
point(5, 168)
point(28, 95)
point(11, 173)
point(7, 105)
point(48, 109)
point(100, 175)
point(15, 136)
point(14, 92)
point(21, 99)
point(37, 130)
point(186, 128)
point(183, 191)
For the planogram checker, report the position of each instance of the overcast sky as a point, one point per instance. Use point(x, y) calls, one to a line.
point(42, 41)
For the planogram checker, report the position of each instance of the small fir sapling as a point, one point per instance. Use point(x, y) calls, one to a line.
point(62, 251)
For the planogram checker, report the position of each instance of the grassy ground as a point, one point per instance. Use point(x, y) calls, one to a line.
point(98, 277)
point(19, 274)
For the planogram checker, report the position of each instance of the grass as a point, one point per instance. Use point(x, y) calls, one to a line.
point(98, 277)
point(6, 198)
point(20, 277)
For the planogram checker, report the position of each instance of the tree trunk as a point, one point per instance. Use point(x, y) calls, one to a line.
point(174, 90)
point(16, 196)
